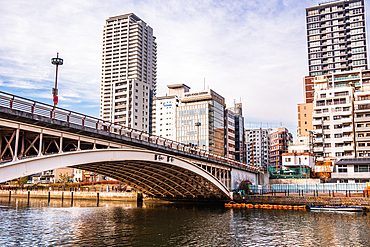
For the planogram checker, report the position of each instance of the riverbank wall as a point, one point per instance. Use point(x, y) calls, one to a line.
point(77, 195)
point(304, 200)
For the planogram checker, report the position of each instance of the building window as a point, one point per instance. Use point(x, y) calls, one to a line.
point(342, 168)
point(361, 168)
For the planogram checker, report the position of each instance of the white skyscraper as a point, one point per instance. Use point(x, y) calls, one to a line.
point(129, 65)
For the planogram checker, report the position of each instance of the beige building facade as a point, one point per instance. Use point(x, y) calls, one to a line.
point(129, 77)
point(305, 119)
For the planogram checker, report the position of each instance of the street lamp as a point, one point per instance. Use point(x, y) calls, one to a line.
point(198, 124)
point(56, 61)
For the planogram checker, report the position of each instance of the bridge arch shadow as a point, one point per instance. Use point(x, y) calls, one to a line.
point(155, 174)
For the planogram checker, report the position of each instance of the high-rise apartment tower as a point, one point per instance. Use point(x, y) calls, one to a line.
point(336, 37)
point(129, 65)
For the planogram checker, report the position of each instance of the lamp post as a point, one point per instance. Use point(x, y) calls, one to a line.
point(198, 124)
point(56, 61)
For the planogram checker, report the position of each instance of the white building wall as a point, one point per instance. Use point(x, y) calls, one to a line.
point(258, 148)
point(164, 116)
point(299, 160)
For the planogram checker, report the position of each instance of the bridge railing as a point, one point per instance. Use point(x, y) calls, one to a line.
point(26, 105)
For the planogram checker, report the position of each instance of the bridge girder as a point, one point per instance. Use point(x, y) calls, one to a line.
point(143, 169)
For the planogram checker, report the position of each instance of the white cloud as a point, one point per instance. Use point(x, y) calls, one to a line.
point(253, 50)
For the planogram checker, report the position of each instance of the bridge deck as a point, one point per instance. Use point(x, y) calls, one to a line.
point(138, 140)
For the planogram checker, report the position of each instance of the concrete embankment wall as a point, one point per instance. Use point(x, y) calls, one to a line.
point(77, 195)
point(305, 200)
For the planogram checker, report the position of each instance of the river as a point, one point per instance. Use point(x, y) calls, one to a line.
point(39, 223)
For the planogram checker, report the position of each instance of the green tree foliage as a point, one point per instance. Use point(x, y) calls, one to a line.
point(22, 181)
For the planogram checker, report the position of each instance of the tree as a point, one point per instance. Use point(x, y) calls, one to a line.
point(22, 181)
point(64, 178)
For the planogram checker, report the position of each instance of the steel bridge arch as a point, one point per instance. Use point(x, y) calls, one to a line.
point(155, 174)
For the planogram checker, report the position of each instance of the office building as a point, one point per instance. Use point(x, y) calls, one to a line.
point(240, 147)
point(129, 64)
point(200, 121)
point(258, 147)
point(336, 37)
point(165, 111)
point(229, 134)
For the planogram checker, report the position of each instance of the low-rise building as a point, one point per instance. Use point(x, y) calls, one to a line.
point(298, 160)
point(351, 171)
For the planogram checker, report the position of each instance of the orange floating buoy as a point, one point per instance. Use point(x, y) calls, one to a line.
point(249, 205)
point(276, 206)
point(243, 205)
point(290, 207)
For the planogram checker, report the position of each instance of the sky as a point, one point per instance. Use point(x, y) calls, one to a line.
point(254, 52)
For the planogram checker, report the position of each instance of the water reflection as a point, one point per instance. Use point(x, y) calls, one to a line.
point(167, 224)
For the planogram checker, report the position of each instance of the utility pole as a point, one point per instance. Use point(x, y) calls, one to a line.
point(56, 61)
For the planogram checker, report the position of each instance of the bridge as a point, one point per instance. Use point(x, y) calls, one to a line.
point(35, 137)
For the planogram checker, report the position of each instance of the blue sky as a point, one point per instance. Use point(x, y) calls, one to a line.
point(249, 50)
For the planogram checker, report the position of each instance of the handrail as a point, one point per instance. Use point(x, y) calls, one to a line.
point(21, 104)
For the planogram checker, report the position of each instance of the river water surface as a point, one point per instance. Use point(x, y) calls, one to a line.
point(39, 223)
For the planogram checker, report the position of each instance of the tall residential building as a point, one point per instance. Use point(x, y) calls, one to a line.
point(341, 115)
point(258, 147)
point(336, 37)
point(280, 139)
point(200, 119)
point(129, 77)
